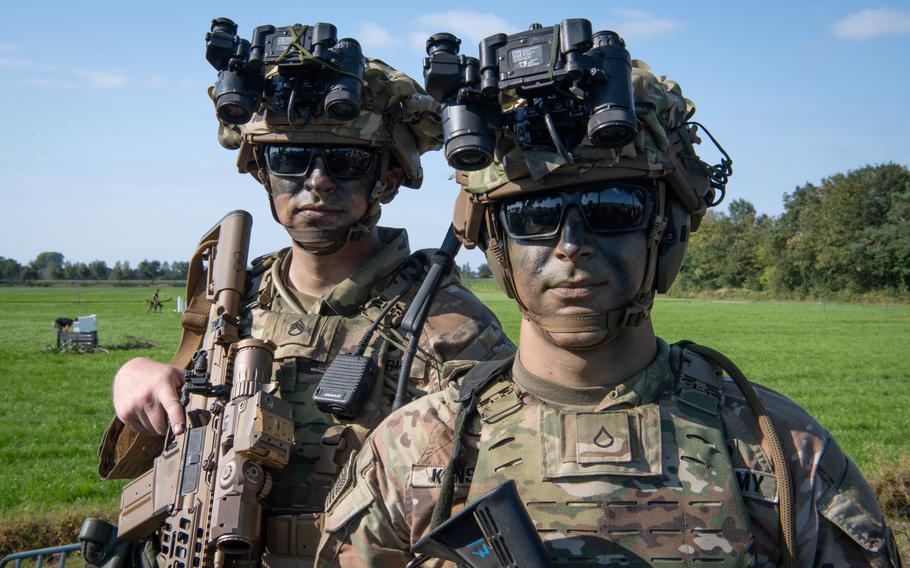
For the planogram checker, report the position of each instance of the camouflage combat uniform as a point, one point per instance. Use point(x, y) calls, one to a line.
point(309, 332)
point(665, 469)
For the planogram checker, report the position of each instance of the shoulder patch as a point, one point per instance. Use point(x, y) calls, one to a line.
point(344, 482)
point(851, 506)
point(347, 498)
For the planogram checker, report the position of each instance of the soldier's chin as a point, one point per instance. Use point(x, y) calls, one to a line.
point(579, 340)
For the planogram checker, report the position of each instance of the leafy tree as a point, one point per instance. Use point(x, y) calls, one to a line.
point(10, 269)
point(847, 233)
point(179, 270)
point(29, 273)
point(122, 271)
point(99, 270)
point(148, 270)
point(483, 271)
point(48, 265)
point(724, 252)
point(466, 271)
point(76, 271)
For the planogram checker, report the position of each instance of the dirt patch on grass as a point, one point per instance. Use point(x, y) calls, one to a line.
point(891, 481)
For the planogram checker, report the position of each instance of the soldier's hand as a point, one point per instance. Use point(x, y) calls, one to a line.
point(145, 396)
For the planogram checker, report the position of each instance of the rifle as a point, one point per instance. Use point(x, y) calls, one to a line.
point(204, 493)
point(495, 531)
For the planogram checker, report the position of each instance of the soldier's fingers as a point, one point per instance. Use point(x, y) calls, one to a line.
point(174, 410)
point(140, 422)
point(158, 419)
point(181, 376)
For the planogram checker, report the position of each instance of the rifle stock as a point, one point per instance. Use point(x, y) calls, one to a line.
point(204, 493)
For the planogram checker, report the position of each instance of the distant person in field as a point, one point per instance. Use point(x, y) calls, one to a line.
point(155, 303)
point(625, 450)
point(326, 180)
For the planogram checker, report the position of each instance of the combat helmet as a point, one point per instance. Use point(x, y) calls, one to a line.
point(395, 116)
point(661, 155)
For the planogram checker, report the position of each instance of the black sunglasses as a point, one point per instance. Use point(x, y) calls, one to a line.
point(341, 161)
point(610, 209)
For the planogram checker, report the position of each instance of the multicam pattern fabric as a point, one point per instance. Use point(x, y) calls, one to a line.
point(692, 491)
point(458, 326)
point(308, 341)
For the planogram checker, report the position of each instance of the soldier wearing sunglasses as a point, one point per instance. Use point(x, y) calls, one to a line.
point(625, 450)
point(326, 180)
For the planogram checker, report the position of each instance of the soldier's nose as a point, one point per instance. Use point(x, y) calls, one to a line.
point(574, 243)
point(319, 180)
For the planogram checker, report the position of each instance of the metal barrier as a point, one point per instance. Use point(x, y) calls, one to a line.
point(63, 550)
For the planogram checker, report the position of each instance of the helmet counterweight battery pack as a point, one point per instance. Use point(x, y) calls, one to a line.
point(344, 385)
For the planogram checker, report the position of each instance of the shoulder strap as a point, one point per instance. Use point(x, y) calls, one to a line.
point(473, 382)
point(699, 382)
point(196, 315)
point(480, 376)
point(778, 459)
point(409, 271)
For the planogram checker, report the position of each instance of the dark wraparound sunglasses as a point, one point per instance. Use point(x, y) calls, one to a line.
point(341, 161)
point(610, 209)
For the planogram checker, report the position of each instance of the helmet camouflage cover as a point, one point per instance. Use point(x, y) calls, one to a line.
point(397, 115)
point(663, 149)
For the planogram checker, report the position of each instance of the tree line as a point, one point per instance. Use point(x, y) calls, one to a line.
point(49, 266)
point(847, 235)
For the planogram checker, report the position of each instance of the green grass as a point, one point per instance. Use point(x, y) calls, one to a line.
point(56, 405)
point(847, 364)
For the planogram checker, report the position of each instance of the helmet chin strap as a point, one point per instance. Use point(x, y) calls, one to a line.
point(613, 322)
point(320, 241)
point(329, 241)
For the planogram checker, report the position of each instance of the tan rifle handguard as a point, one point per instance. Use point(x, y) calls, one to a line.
point(204, 493)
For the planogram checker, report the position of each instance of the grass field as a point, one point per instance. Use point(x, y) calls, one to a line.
point(847, 364)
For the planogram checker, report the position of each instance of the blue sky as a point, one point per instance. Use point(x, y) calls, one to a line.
point(108, 145)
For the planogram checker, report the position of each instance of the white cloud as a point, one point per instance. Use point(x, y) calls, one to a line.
point(639, 24)
point(867, 24)
point(14, 62)
point(102, 79)
point(373, 36)
point(470, 27)
point(418, 41)
point(84, 78)
point(55, 82)
point(155, 80)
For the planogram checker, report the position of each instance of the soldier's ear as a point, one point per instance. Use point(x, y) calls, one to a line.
point(392, 181)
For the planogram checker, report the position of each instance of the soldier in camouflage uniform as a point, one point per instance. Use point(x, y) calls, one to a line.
point(316, 299)
point(625, 450)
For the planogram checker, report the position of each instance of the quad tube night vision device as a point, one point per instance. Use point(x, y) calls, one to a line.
point(575, 85)
point(318, 74)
